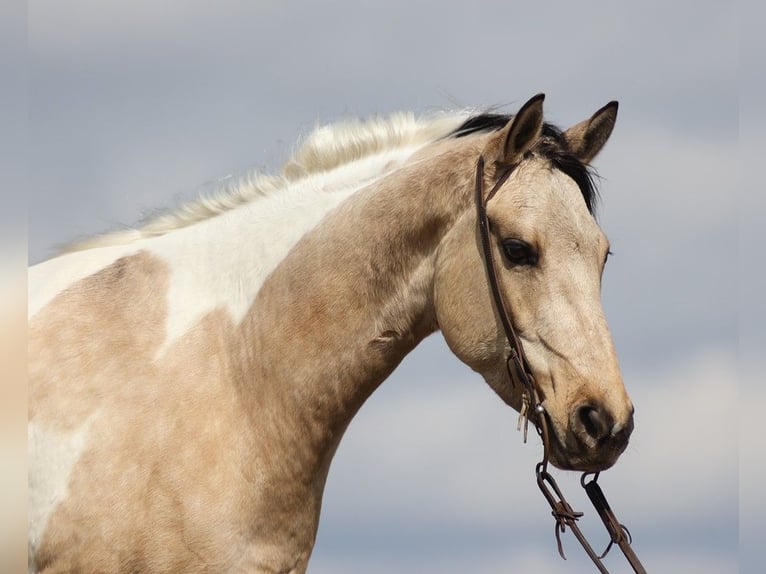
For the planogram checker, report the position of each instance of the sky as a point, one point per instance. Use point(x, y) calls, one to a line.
point(136, 107)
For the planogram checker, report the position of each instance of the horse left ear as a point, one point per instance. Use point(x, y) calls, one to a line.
point(509, 145)
point(587, 138)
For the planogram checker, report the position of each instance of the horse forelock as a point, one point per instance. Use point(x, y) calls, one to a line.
point(552, 146)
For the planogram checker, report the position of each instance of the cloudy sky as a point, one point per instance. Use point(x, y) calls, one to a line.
point(137, 106)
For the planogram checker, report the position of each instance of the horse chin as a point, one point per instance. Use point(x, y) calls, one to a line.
point(580, 462)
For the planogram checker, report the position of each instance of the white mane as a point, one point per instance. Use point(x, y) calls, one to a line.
point(326, 148)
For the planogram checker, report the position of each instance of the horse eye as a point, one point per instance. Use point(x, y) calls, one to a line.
point(519, 252)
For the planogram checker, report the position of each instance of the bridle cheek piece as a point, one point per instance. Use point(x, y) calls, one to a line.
point(532, 408)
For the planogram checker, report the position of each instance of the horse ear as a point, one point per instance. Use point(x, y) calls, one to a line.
point(587, 138)
point(519, 134)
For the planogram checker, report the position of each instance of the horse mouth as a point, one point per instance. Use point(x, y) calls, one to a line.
point(570, 453)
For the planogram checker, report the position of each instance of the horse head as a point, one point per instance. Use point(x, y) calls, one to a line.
point(550, 255)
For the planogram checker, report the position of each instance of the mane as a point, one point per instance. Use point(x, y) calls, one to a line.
point(552, 146)
point(326, 148)
point(334, 145)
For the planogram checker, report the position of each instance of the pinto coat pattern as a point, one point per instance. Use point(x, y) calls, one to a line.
point(191, 379)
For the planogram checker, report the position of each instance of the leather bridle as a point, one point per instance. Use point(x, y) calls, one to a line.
point(532, 408)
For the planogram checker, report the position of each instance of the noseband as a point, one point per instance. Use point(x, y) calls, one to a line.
point(520, 375)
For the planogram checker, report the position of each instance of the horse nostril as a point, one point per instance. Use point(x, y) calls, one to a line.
point(596, 423)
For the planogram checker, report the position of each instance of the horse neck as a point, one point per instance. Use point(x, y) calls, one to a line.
point(355, 296)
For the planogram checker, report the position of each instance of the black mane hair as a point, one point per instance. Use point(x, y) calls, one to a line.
point(551, 146)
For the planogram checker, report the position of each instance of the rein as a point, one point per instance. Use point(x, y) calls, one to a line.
point(520, 374)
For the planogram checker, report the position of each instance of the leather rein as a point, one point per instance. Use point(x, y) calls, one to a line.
point(532, 407)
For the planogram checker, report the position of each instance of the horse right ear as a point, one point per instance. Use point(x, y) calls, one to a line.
point(519, 134)
point(588, 137)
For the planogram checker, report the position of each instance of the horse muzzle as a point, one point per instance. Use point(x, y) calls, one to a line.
point(594, 440)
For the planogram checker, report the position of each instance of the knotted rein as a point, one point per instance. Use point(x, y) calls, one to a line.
point(520, 374)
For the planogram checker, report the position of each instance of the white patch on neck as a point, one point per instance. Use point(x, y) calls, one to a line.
point(222, 262)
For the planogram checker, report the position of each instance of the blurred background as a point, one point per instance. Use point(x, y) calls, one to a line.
point(136, 107)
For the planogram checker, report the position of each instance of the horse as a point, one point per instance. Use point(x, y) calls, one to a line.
point(191, 378)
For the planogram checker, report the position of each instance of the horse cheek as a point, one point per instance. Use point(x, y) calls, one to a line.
point(463, 305)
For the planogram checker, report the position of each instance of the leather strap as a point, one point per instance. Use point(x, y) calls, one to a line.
point(517, 364)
